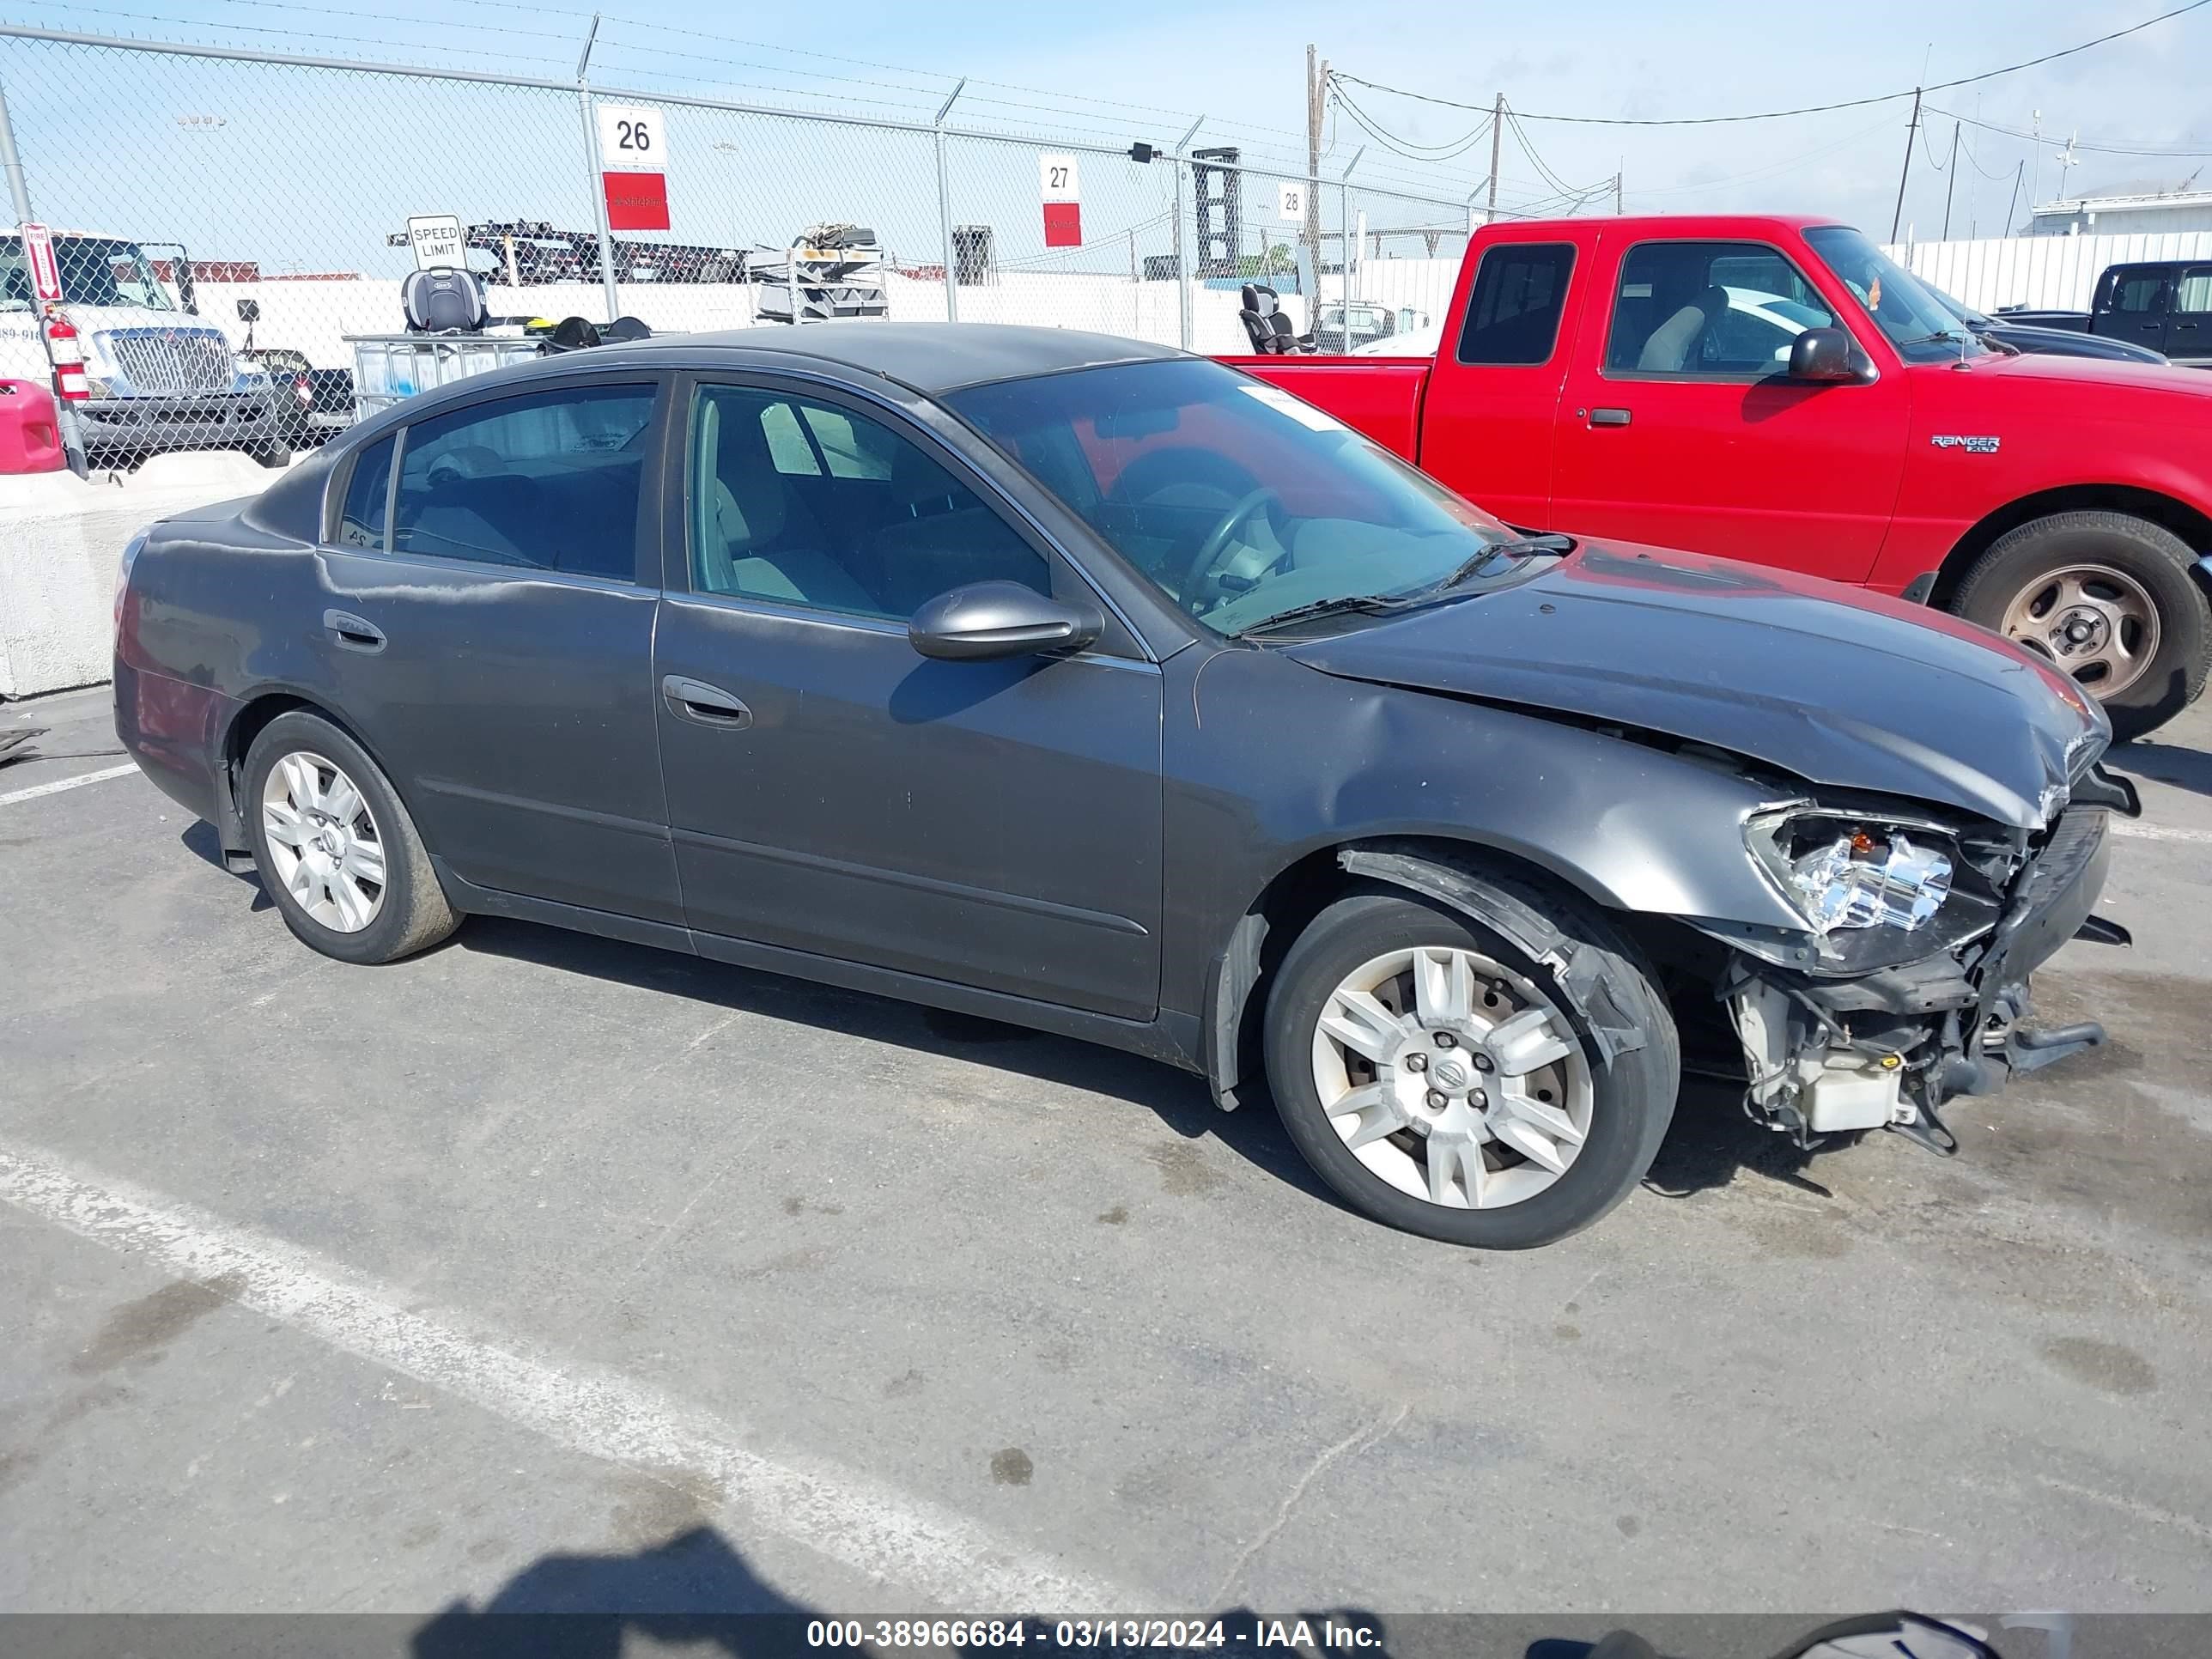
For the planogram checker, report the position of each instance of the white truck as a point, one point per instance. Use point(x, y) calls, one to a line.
point(161, 379)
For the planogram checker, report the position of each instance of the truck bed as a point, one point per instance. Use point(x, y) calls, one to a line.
point(1378, 396)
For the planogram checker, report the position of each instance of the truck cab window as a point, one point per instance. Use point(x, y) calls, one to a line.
point(1726, 309)
point(1513, 315)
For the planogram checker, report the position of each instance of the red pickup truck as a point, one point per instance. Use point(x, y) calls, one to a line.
point(1778, 390)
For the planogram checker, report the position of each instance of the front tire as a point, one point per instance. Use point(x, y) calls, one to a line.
point(1442, 1082)
point(337, 851)
point(2106, 598)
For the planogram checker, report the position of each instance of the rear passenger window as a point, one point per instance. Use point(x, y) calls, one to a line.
point(2195, 292)
point(361, 519)
point(548, 481)
point(1513, 315)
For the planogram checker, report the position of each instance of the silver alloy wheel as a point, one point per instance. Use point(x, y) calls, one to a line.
point(2093, 622)
point(324, 842)
point(1452, 1078)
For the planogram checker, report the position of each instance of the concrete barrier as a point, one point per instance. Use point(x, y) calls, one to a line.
point(61, 544)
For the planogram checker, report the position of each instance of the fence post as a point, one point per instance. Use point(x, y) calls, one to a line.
point(945, 209)
point(1346, 249)
point(1182, 261)
point(598, 183)
point(19, 195)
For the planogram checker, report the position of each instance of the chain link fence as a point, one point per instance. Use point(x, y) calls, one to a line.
point(229, 223)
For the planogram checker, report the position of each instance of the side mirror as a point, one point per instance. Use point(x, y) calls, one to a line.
point(999, 619)
point(249, 310)
point(1824, 354)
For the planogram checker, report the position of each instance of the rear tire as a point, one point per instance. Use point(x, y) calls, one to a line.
point(2107, 598)
point(1456, 1080)
point(277, 453)
point(337, 852)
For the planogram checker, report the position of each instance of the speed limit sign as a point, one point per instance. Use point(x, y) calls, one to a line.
point(1290, 203)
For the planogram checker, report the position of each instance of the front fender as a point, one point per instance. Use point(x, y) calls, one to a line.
point(1274, 768)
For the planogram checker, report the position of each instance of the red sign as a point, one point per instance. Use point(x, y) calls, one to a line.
point(1063, 224)
point(38, 250)
point(636, 201)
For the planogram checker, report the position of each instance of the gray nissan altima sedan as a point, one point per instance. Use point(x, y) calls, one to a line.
point(1085, 685)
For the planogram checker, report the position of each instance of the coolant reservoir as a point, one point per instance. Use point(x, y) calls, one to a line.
point(1854, 1096)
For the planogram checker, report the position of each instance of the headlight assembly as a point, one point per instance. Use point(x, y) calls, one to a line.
point(1856, 881)
point(1870, 890)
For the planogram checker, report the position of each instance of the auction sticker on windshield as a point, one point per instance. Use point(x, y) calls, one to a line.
point(1303, 413)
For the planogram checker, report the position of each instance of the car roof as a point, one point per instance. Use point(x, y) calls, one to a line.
point(932, 358)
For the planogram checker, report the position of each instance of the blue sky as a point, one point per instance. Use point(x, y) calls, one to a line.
point(311, 158)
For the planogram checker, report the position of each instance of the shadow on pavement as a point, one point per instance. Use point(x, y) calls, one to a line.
point(2164, 762)
point(1711, 1139)
point(1179, 1099)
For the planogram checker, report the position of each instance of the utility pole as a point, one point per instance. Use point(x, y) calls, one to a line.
point(2013, 206)
point(1616, 196)
point(1317, 111)
point(1911, 132)
point(1497, 135)
point(1951, 181)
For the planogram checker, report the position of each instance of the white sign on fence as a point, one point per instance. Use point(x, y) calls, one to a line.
point(437, 239)
point(1291, 201)
point(1058, 178)
point(631, 139)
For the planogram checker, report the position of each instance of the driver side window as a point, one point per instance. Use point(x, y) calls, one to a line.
point(799, 503)
point(1711, 310)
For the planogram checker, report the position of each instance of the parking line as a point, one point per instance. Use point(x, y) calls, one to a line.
point(2135, 831)
point(888, 1534)
point(76, 782)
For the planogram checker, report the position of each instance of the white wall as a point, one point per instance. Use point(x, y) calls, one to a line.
point(61, 544)
point(316, 314)
point(2047, 273)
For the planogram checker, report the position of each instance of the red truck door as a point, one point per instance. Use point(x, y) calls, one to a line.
point(1491, 410)
point(1678, 428)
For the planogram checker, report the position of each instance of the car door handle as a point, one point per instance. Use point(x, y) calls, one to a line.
point(1608, 418)
point(709, 705)
point(353, 632)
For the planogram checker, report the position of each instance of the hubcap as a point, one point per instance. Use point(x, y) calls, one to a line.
point(1452, 1078)
point(324, 842)
point(2096, 623)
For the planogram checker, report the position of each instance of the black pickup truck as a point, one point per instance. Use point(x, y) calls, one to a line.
point(312, 402)
point(2164, 303)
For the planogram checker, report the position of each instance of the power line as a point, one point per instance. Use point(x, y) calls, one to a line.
point(2108, 148)
point(1409, 148)
point(1807, 109)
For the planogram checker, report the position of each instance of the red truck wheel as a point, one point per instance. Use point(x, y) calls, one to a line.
point(2107, 598)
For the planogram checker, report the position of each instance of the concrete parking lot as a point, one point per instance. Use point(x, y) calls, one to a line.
point(542, 1270)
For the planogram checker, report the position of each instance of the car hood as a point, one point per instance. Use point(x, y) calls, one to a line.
point(1841, 687)
point(2062, 373)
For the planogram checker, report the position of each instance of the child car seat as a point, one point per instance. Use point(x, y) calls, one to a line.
point(442, 301)
point(1269, 331)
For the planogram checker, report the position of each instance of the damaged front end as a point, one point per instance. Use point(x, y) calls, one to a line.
point(1909, 984)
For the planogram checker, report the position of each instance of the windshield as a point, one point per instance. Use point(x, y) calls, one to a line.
point(1923, 327)
point(1959, 306)
point(1233, 498)
point(96, 271)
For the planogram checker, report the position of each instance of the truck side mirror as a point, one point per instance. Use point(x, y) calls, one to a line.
point(1824, 354)
point(249, 310)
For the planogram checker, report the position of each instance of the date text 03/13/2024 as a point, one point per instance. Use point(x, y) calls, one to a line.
point(1245, 1630)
